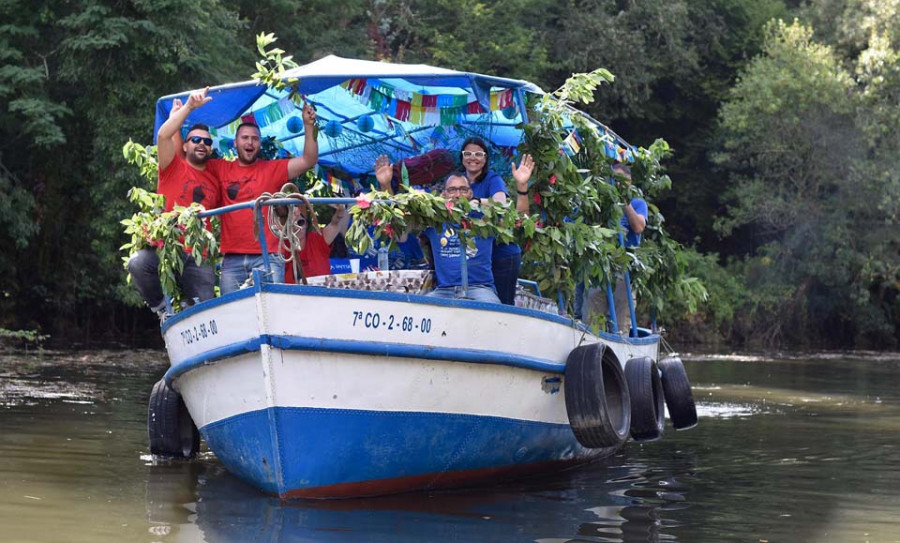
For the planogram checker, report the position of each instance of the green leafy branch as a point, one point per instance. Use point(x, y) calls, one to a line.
point(579, 209)
point(271, 70)
point(175, 235)
point(393, 215)
point(144, 158)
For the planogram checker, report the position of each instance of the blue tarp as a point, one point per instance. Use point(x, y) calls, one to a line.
point(361, 119)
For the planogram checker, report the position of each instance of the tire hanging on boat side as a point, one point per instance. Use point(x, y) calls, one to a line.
point(648, 412)
point(679, 398)
point(597, 400)
point(170, 427)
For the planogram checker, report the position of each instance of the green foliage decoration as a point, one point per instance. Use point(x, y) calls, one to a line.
point(175, 235)
point(270, 71)
point(144, 158)
point(578, 210)
point(413, 210)
point(571, 234)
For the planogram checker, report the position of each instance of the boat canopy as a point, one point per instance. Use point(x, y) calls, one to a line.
point(369, 108)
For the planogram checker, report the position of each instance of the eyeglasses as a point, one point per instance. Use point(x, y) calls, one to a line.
point(456, 190)
point(476, 154)
point(197, 139)
point(301, 222)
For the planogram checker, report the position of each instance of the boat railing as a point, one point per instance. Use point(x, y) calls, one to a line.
point(532, 302)
point(535, 301)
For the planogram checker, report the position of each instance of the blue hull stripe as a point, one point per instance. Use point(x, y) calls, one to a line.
point(373, 348)
point(476, 356)
point(220, 353)
point(324, 447)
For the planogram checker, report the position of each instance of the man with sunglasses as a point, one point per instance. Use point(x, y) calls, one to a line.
point(183, 180)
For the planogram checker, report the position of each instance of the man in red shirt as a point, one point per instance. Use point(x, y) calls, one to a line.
point(244, 180)
point(315, 246)
point(182, 181)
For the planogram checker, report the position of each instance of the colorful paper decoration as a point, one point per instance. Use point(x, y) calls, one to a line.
point(423, 109)
point(265, 116)
point(333, 129)
point(294, 125)
point(572, 143)
point(365, 123)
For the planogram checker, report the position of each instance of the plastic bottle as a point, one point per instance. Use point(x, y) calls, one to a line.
point(383, 261)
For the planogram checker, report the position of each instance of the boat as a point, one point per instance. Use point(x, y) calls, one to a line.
point(359, 385)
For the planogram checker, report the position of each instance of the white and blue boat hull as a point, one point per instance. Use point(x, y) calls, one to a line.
point(315, 392)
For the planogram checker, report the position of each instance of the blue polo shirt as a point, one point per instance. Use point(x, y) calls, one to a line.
point(445, 247)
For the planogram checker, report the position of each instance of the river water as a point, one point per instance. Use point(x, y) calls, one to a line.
point(788, 449)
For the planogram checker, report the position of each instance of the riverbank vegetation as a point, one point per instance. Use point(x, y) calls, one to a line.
point(783, 118)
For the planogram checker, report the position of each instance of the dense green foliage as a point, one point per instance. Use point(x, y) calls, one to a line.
point(784, 134)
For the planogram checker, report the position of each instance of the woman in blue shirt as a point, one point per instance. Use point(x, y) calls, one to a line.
point(488, 185)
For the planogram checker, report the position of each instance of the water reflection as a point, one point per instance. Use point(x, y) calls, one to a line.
point(620, 503)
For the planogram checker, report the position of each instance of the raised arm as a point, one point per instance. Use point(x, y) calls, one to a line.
point(522, 174)
point(338, 225)
point(384, 173)
point(636, 221)
point(299, 165)
point(165, 144)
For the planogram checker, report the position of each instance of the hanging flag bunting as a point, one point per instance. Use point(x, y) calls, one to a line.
point(573, 143)
point(404, 173)
point(335, 184)
point(423, 109)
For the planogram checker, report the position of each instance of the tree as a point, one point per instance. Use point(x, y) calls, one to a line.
point(793, 150)
point(77, 79)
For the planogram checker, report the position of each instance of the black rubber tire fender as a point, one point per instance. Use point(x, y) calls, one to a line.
point(597, 401)
point(677, 389)
point(172, 432)
point(648, 412)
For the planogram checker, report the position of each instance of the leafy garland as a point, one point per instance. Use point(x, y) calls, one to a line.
point(175, 235)
point(412, 210)
point(581, 209)
point(571, 233)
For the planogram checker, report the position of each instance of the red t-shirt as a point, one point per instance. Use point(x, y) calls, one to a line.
point(237, 184)
point(313, 258)
point(182, 184)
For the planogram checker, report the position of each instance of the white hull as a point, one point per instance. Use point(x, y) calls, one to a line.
point(387, 375)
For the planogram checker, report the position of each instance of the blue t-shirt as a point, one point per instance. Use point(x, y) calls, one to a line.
point(632, 239)
point(445, 247)
point(487, 188)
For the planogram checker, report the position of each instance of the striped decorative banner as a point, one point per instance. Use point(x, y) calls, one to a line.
point(422, 109)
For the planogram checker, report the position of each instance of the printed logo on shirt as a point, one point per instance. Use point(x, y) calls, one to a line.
point(236, 187)
point(196, 191)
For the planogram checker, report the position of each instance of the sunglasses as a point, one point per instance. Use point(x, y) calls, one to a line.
point(476, 154)
point(197, 139)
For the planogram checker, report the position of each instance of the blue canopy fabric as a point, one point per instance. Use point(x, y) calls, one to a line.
point(368, 108)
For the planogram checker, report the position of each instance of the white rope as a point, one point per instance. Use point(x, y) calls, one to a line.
point(280, 221)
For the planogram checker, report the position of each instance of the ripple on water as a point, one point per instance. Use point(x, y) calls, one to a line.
point(726, 410)
point(21, 392)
